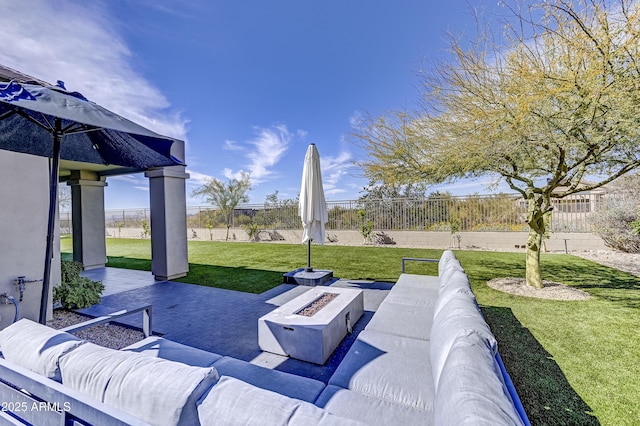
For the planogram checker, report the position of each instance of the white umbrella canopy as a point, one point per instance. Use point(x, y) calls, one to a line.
point(312, 207)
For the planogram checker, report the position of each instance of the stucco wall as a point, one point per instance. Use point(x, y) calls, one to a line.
point(24, 193)
point(499, 241)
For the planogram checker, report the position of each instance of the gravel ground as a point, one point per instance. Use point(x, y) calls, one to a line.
point(551, 290)
point(108, 335)
point(627, 262)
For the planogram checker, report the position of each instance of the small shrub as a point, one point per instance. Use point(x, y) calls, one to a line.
point(70, 270)
point(615, 221)
point(146, 229)
point(366, 226)
point(76, 292)
point(79, 293)
point(253, 231)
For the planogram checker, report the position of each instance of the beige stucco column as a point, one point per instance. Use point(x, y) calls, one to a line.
point(168, 201)
point(87, 212)
point(23, 233)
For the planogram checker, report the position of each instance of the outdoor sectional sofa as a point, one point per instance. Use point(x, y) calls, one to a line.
point(426, 357)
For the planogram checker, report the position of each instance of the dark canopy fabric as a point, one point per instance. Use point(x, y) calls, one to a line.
point(52, 122)
point(93, 134)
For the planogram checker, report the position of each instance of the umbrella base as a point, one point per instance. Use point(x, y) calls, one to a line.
point(311, 278)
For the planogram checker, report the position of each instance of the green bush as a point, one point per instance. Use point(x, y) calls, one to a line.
point(69, 270)
point(76, 292)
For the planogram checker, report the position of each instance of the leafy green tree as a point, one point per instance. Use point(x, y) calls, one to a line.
point(384, 199)
point(280, 213)
point(225, 197)
point(547, 103)
point(383, 190)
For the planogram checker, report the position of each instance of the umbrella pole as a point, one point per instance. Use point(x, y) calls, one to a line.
point(53, 201)
point(309, 268)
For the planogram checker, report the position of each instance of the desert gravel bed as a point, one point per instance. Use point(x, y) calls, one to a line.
point(109, 335)
point(551, 290)
point(627, 262)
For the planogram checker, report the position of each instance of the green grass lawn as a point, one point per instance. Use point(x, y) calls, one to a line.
point(572, 362)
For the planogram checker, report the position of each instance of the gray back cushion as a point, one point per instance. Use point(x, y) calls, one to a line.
point(471, 390)
point(447, 260)
point(155, 390)
point(457, 284)
point(233, 402)
point(452, 267)
point(460, 315)
point(36, 347)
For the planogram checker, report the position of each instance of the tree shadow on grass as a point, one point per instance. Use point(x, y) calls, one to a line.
point(128, 263)
point(606, 283)
point(546, 395)
point(239, 278)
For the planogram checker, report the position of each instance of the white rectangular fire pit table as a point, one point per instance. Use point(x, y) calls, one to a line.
point(312, 338)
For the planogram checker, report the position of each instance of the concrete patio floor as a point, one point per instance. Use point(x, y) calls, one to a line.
point(220, 321)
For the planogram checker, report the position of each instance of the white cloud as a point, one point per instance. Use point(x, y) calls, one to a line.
point(232, 146)
point(486, 185)
point(333, 170)
point(130, 179)
point(356, 119)
point(264, 152)
point(230, 174)
point(335, 191)
point(136, 181)
point(197, 178)
point(77, 42)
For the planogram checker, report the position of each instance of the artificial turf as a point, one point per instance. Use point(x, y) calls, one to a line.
point(572, 362)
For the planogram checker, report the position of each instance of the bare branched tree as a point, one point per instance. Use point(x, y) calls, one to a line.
point(225, 197)
point(550, 105)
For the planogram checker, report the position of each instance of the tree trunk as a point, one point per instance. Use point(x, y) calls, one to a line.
point(534, 244)
point(538, 206)
point(227, 237)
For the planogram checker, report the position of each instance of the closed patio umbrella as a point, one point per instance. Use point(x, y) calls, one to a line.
point(52, 122)
point(312, 207)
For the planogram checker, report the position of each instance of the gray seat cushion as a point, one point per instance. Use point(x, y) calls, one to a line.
point(166, 349)
point(233, 402)
point(371, 410)
point(471, 390)
point(36, 347)
point(390, 367)
point(413, 296)
point(418, 281)
point(283, 383)
point(402, 320)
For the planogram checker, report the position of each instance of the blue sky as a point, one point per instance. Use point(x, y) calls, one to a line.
point(247, 84)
